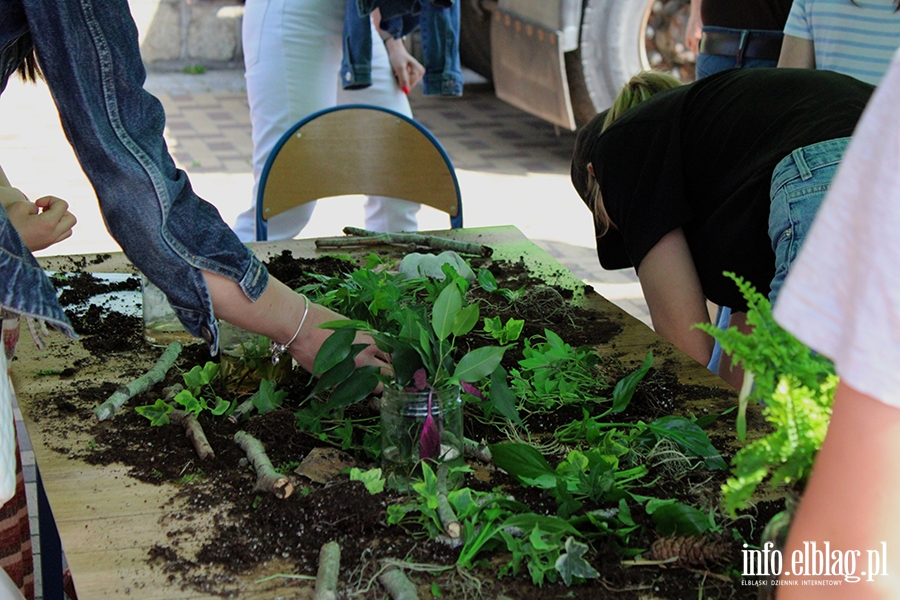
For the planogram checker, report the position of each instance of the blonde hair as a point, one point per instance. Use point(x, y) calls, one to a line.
point(639, 88)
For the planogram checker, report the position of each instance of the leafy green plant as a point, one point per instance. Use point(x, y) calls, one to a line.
point(552, 373)
point(192, 398)
point(504, 334)
point(796, 388)
point(421, 340)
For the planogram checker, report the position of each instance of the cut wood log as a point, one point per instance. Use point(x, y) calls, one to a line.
point(194, 432)
point(398, 585)
point(267, 478)
point(327, 575)
point(108, 408)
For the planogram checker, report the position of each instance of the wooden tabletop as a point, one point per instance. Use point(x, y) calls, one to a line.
point(108, 522)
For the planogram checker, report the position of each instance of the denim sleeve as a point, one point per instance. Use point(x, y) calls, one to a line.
point(88, 51)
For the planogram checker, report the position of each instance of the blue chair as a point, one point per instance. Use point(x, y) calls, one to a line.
point(357, 149)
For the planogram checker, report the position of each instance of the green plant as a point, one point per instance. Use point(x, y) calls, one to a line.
point(422, 341)
point(553, 373)
point(796, 388)
point(504, 334)
point(191, 399)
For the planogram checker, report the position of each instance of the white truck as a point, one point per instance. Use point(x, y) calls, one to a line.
point(564, 60)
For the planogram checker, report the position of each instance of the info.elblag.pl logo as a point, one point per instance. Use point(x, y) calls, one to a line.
point(815, 561)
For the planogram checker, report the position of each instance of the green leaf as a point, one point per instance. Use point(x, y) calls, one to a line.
point(335, 375)
point(190, 403)
point(487, 281)
point(689, 438)
point(624, 390)
point(267, 399)
point(158, 413)
point(478, 364)
point(221, 406)
point(572, 563)
point(335, 348)
point(354, 388)
point(372, 479)
point(406, 361)
point(522, 461)
point(502, 397)
point(675, 518)
point(444, 311)
point(465, 320)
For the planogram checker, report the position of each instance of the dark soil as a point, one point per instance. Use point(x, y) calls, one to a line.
point(249, 528)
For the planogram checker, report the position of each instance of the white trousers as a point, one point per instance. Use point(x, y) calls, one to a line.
point(292, 60)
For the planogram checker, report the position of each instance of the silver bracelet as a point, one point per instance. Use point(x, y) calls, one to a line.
point(278, 349)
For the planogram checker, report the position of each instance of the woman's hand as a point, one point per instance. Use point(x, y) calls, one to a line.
point(40, 224)
point(407, 70)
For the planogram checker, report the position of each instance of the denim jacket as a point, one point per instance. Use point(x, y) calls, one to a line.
point(439, 24)
point(88, 52)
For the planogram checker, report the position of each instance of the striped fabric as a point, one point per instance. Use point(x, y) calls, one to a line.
point(854, 39)
point(15, 537)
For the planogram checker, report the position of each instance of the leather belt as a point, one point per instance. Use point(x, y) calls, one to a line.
point(741, 45)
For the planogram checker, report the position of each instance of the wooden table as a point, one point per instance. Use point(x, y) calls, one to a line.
point(108, 521)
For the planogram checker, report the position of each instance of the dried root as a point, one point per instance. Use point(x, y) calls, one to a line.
point(327, 575)
point(108, 409)
point(194, 432)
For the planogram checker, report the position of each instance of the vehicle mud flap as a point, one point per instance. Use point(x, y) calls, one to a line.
point(529, 68)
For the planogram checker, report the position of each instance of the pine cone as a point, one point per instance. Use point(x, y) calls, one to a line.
point(691, 551)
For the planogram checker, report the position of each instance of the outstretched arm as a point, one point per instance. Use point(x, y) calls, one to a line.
point(674, 296)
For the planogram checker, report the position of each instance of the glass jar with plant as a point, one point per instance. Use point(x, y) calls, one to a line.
point(421, 408)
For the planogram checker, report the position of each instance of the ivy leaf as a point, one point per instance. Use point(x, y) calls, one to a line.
point(444, 311)
point(158, 413)
point(478, 363)
point(190, 403)
point(267, 398)
point(624, 390)
point(572, 563)
point(222, 406)
point(372, 479)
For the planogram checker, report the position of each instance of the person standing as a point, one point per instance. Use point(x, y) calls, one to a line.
point(842, 299)
point(293, 54)
point(854, 37)
point(729, 34)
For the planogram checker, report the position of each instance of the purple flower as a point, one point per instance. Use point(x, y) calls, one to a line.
point(430, 439)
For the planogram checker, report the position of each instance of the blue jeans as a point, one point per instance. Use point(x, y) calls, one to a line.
point(799, 184)
point(709, 64)
point(88, 51)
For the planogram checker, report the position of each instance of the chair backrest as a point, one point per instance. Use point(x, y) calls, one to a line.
point(357, 149)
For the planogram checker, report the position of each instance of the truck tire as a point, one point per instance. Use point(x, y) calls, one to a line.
point(613, 46)
point(475, 37)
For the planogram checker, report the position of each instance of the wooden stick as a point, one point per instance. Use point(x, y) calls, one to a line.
point(194, 432)
point(242, 409)
point(267, 478)
point(364, 237)
point(398, 586)
point(327, 575)
point(108, 408)
point(448, 518)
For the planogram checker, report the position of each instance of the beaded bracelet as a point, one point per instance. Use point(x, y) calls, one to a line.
point(278, 349)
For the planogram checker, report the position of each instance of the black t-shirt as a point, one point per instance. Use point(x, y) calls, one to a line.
point(701, 157)
point(746, 14)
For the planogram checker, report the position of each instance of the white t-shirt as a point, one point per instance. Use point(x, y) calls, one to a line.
point(857, 39)
point(842, 296)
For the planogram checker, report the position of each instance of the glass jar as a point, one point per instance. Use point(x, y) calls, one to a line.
point(245, 359)
point(419, 426)
point(161, 325)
